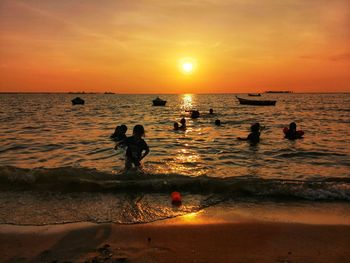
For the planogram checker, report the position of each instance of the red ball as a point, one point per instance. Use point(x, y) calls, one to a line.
point(175, 198)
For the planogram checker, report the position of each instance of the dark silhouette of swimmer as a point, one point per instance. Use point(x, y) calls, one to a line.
point(183, 124)
point(211, 111)
point(254, 135)
point(217, 122)
point(176, 126)
point(137, 148)
point(119, 133)
point(195, 114)
point(292, 132)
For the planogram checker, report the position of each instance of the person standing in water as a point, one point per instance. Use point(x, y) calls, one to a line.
point(254, 136)
point(119, 133)
point(137, 148)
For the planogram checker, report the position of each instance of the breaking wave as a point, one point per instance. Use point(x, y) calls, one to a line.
point(71, 179)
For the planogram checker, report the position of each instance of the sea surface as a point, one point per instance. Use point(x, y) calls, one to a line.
point(58, 163)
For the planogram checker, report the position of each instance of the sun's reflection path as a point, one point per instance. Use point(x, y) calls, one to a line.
point(186, 162)
point(187, 102)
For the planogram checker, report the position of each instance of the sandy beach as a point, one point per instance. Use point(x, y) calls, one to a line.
point(202, 237)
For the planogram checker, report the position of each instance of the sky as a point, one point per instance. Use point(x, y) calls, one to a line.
point(130, 46)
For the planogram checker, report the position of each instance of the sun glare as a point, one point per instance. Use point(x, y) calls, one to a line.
point(187, 65)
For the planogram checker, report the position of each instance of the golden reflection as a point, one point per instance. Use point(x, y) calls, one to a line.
point(186, 162)
point(191, 217)
point(187, 102)
point(185, 156)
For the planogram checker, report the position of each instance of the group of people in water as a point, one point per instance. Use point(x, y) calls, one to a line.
point(194, 115)
point(137, 148)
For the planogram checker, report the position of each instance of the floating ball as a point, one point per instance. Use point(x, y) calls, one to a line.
point(175, 198)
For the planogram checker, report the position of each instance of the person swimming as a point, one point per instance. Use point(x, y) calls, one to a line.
point(254, 135)
point(217, 122)
point(211, 111)
point(195, 114)
point(183, 124)
point(292, 132)
point(137, 148)
point(176, 126)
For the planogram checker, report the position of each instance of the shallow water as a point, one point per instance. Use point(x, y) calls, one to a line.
point(48, 145)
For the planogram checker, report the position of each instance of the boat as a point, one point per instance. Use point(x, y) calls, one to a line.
point(256, 102)
point(159, 102)
point(78, 101)
point(254, 94)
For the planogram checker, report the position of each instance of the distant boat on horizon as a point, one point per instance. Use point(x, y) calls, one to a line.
point(256, 102)
point(278, 91)
point(159, 102)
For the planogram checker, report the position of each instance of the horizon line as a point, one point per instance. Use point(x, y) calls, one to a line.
point(115, 93)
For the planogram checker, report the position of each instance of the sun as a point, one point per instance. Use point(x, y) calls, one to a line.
point(187, 65)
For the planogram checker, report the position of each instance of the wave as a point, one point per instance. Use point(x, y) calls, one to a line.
point(77, 179)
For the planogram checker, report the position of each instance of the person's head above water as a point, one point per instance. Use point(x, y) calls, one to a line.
point(211, 111)
point(195, 114)
point(183, 121)
point(292, 126)
point(255, 127)
point(139, 130)
point(123, 128)
point(217, 122)
point(176, 126)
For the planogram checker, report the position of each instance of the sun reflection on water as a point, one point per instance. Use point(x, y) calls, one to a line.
point(187, 102)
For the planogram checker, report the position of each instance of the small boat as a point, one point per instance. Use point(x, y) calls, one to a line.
point(78, 101)
point(159, 102)
point(254, 94)
point(257, 102)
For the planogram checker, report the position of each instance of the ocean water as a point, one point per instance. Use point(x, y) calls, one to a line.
point(58, 164)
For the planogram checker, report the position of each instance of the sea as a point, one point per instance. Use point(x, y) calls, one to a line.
point(58, 164)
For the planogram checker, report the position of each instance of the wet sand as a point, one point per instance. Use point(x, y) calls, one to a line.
point(192, 238)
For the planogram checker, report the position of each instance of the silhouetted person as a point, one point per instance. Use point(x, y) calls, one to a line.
point(254, 135)
point(137, 148)
point(176, 126)
point(211, 111)
point(195, 114)
point(292, 132)
point(119, 133)
point(217, 122)
point(183, 124)
point(116, 132)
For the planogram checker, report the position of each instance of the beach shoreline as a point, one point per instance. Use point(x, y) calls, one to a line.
point(212, 235)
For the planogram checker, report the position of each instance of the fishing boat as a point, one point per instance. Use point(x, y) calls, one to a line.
point(254, 94)
point(159, 102)
point(256, 102)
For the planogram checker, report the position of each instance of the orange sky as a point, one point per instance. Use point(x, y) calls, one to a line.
point(131, 46)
